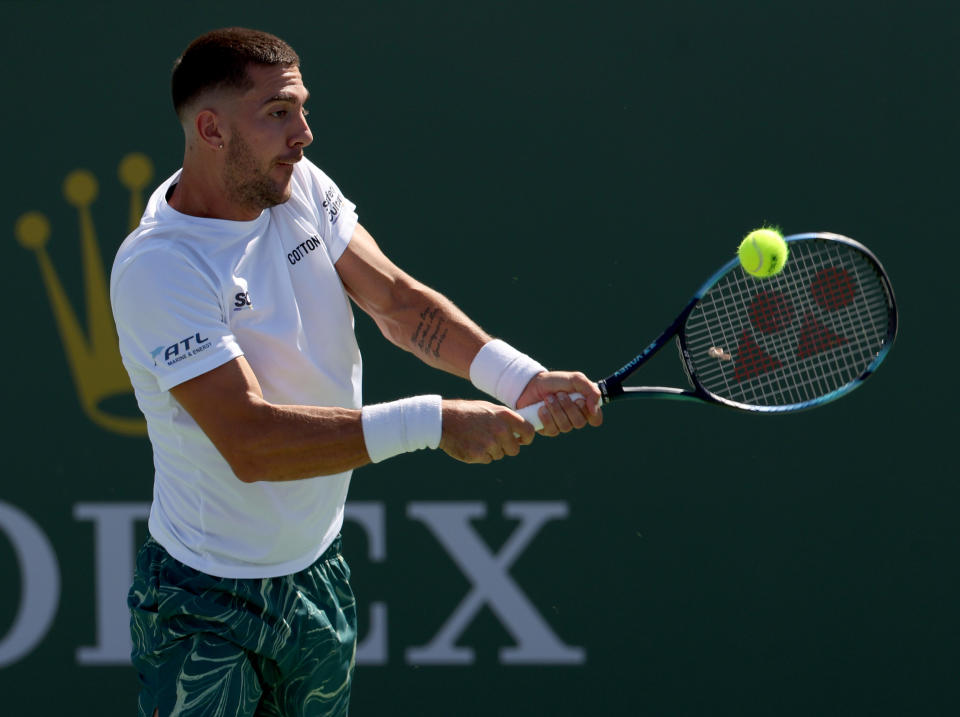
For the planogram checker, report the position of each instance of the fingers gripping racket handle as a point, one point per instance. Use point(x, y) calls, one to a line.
point(530, 413)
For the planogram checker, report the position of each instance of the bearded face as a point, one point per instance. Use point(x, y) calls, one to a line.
point(251, 181)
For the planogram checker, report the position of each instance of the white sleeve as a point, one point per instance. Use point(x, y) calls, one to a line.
point(170, 318)
point(336, 215)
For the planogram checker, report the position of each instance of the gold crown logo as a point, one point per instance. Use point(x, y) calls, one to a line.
point(94, 357)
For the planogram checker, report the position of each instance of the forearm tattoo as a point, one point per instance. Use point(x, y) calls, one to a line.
point(431, 331)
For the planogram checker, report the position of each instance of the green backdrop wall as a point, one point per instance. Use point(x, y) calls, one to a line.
point(568, 172)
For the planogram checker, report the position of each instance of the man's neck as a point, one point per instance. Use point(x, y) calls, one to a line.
point(200, 193)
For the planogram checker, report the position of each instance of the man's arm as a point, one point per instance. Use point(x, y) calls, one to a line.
point(410, 314)
point(265, 441)
point(423, 321)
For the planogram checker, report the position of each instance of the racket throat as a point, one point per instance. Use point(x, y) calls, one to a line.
point(609, 389)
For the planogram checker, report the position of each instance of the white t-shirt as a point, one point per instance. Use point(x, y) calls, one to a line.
point(190, 294)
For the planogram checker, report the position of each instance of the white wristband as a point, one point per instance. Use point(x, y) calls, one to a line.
point(501, 371)
point(409, 424)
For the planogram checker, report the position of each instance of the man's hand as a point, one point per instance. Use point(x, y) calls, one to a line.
point(559, 414)
point(481, 432)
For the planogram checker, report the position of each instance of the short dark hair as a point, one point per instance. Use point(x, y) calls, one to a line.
point(220, 59)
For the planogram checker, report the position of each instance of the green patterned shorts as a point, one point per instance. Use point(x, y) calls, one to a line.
point(224, 647)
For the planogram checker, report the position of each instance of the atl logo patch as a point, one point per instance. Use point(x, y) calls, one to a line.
point(191, 346)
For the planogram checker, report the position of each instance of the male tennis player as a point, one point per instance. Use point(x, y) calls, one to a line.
point(231, 303)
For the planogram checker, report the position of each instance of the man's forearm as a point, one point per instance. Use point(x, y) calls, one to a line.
point(282, 443)
point(433, 328)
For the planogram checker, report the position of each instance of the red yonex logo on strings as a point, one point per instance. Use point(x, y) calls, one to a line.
point(833, 288)
point(753, 360)
point(771, 312)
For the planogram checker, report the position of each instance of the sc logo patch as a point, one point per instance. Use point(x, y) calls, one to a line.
point(242, 301)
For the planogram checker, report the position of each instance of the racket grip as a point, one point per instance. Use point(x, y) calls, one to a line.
point(529, 413)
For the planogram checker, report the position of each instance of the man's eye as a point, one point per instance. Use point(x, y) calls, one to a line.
point(305, 111)
point(278, 113)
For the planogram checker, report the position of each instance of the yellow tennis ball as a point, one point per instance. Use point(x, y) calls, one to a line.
point(763, 252)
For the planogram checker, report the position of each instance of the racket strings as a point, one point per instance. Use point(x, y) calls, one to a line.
point(794, 337)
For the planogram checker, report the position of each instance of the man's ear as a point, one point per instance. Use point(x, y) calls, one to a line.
point(208, 128)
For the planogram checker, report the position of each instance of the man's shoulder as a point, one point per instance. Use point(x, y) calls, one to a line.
point(153, 237)
point(304, 187)
point(316, 195)
point(162, 248)
point(310, 179)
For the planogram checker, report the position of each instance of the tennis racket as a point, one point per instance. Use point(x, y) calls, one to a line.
point(796, 340)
